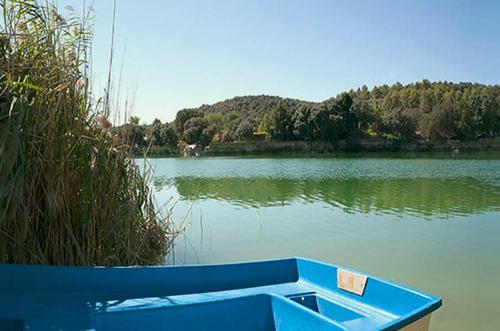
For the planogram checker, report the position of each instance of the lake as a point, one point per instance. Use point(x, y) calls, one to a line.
point(429, 221)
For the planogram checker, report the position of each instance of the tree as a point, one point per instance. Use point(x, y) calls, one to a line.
point(133, 135)
point(327, 123)
point(245, 130)
point(434, 111)
point(215, 126)
point(280, 124)
point(154, 132)
point(134, 120)
point(168, 135)
point(350, 119)
point(363, 112)
point(302, 126)
point(194, 131)
point(231, 122)
point(182, 117)
point(438, 125)
point(490, 114)
point(397, 125)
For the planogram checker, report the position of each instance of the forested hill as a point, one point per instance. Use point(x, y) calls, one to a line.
point(252, 105)
point(429, 111)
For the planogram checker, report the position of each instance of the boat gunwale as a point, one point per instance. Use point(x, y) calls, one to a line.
point(295, 274)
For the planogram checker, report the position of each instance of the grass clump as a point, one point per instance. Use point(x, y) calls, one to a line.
point(70, 192)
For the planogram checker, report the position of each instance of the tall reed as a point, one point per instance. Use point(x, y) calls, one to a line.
point(70, 192)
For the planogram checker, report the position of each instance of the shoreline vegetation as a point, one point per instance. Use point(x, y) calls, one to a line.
point(423, 116)
point(372, 145)
point(70, 190)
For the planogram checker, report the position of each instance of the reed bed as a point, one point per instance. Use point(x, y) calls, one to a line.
point(70, 191)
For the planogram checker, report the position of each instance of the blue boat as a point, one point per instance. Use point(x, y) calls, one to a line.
point(287, 295)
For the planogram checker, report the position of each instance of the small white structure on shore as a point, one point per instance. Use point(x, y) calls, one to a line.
point(192, 150)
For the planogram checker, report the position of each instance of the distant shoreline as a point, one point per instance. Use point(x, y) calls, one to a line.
point(371, 145)
point(359, 145)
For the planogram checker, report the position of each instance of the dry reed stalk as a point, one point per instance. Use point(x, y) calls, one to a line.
point(70, 191)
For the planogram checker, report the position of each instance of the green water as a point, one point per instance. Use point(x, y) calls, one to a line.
point(430, 222)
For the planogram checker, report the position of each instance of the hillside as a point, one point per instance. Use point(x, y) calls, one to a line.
point(432, 112)
point(251, 105)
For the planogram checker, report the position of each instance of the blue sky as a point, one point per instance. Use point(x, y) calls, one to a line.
point(186, 53)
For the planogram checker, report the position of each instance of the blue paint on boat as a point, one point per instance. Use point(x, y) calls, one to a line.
point(287, 294)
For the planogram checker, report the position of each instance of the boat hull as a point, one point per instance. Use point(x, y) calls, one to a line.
point(287, 294)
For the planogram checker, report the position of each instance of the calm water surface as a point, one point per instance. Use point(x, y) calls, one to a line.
point(429, 222)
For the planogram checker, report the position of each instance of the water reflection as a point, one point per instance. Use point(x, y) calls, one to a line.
point(400, 196)
point(342, 210)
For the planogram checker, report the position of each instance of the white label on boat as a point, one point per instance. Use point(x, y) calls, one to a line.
point(351, 282)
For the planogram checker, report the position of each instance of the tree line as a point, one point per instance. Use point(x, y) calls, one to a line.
point(428, 111)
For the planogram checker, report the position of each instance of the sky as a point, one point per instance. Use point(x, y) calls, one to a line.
point(178, 54)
